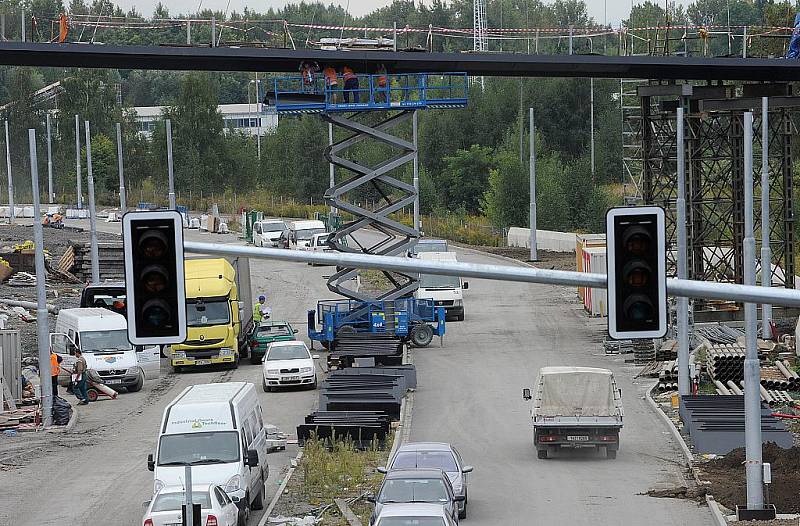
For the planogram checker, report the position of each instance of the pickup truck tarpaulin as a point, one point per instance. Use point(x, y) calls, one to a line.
point(576, 391)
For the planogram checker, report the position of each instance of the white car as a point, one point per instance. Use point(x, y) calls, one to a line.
point(288, 363)
point(216, 508)
point(267, 232)
point(414, 514)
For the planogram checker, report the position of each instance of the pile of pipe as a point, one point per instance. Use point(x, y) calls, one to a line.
point(725, 362)
point(719, 334)
point(668, 377)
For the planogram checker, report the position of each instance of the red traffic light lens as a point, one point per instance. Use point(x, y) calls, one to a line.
point(153, 244)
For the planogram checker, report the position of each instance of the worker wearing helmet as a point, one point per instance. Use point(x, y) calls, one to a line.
point(260, 309)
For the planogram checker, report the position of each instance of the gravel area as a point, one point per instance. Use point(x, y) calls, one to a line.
point(547, 259)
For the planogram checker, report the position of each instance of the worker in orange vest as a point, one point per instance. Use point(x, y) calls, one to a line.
point(331, 82)
point(63, 28)
point(350, 84)
point(381, 95)
point(55, 368)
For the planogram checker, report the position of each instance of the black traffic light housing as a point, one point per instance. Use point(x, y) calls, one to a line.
point(154, 277)
point(637, 284)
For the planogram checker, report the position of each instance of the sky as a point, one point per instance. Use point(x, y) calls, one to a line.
point(615, 10)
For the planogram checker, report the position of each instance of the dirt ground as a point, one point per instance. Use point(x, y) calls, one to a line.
point(547, 259)
point(59, 293)
point(727, 477)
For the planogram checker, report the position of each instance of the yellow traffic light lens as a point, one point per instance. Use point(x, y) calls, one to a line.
point(154, 279)
point(639, 277)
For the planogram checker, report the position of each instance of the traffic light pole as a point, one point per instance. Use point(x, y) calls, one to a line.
point(684, 384)
point(123, 206)
point(752, 371)
point(766, 252)
point(92, 212)
point(169, 166)
point(42, 328)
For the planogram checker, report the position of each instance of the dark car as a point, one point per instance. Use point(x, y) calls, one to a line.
point(419, 486)
point(109, 295)
point(266, 332)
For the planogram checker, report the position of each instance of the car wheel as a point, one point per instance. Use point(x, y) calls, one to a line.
point(240, 519)
point(258, 502)
point(264, 385)
point(137, 386)
point(462, 514)
point(314, 385)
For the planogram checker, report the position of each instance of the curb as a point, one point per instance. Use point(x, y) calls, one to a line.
point(713, 506)
point(281, 489)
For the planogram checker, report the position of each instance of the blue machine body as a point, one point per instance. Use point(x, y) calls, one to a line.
point(395, 317)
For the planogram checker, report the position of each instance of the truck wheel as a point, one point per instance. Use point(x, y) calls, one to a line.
point(255, 360)
point(460, 317)
point(421, 335)
point(137, 386)
point(611, 453)
point(258, 502)
point(345, 329)
point(245, 351)
point(541, 453)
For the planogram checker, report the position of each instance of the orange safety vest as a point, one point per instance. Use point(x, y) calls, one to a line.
point(347, 73)
point(330, 76)
point(54, 367)
point(63, 28)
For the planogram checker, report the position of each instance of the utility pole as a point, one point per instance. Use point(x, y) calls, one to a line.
point(78, 159)
point(189, 514)
point(591, 121)
point(92, 212)
point(122, 204)
point(22, 25)
point(532, 219)
point(11, 213)
point(169, 166)
point(766, 251)
point(51, 196)
point(684, 385)
point(752, 372)
point(42, 328)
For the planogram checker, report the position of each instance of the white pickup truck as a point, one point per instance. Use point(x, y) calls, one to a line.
point(575, 407)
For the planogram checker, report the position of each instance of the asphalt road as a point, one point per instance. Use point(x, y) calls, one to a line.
point(470, 394)
point(98, 474)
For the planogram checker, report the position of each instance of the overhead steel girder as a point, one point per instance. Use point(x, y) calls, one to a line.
point(476, 64)
point(398, 238)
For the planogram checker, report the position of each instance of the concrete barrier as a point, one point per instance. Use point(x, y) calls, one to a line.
point(545, 239)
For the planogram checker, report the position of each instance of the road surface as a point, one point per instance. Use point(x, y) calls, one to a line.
point(470, 394)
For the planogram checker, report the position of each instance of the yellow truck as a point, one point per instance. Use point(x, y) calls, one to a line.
point(219, 312)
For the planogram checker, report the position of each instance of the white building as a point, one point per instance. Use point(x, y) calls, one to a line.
point(252, 119)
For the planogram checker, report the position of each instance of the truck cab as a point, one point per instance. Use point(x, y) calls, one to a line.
point(213, 315)
point(445, 291)
point(301, 233)
point(102, 337)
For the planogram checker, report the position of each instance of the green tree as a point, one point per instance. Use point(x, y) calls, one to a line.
point(464, 178)
point(506, 200)
point(104, 167)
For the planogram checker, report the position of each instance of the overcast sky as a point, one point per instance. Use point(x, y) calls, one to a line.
point(616, 9)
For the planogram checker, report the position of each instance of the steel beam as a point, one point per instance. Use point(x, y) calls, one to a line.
point(476, 64)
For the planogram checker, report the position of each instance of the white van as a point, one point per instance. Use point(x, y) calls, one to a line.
point(446, 291)
point(267, 232)
point(218, 430)
point(301, 232)
point(102, 337)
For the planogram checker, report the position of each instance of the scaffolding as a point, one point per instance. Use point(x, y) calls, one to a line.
point(714, 167)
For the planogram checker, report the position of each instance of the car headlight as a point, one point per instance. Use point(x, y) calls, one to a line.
point(233, 484)
point(179, 355)
point(226, 351)
point(158, 485)
point(273, 371)
point(133, 371)
point(306, 369)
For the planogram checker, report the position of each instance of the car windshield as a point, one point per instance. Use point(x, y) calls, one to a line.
point(174, 501)
point(308, 233)
point(433, 281)
point(287, 352)
point(413, 490)
point(411, 521)
point(273, 331)
point(203, 313)
point(425, 459)
point(323, 240)
point(436, 246)
point(210, 447)
point(105, 340)
point(276, 226)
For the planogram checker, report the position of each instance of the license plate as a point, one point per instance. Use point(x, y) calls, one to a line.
point(578, 438)
point(113, 381)
point(291, 378)
point(202, 362)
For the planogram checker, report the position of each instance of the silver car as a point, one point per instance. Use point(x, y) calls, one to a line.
point(430, 486)
point(216, 508)
point(414, 514)
point(420, 455)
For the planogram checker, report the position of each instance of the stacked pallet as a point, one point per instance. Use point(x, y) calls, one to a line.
point(112, 261)
point(667, 351)
point(643, 351)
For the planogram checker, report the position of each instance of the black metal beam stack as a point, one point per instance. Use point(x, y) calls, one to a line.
point(386, 349)
point(364, 428)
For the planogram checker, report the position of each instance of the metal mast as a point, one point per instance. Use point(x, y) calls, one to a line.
point(480, 41)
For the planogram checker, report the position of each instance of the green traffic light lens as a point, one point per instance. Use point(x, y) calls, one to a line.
point(155, 313)
point(639, 308)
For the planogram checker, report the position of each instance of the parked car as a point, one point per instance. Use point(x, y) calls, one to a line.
point(319, 243)
point(428, 245)
point(414, 514)
point(421, 455)
point(419, 486)
point(288, 363)
point(216, 508)
point(267, 232)
point(266, 332)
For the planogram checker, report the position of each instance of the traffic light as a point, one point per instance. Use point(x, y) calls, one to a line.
point(154, 277)
point(637, 284)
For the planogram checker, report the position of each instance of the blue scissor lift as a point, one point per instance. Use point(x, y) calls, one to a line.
point(398, 97)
